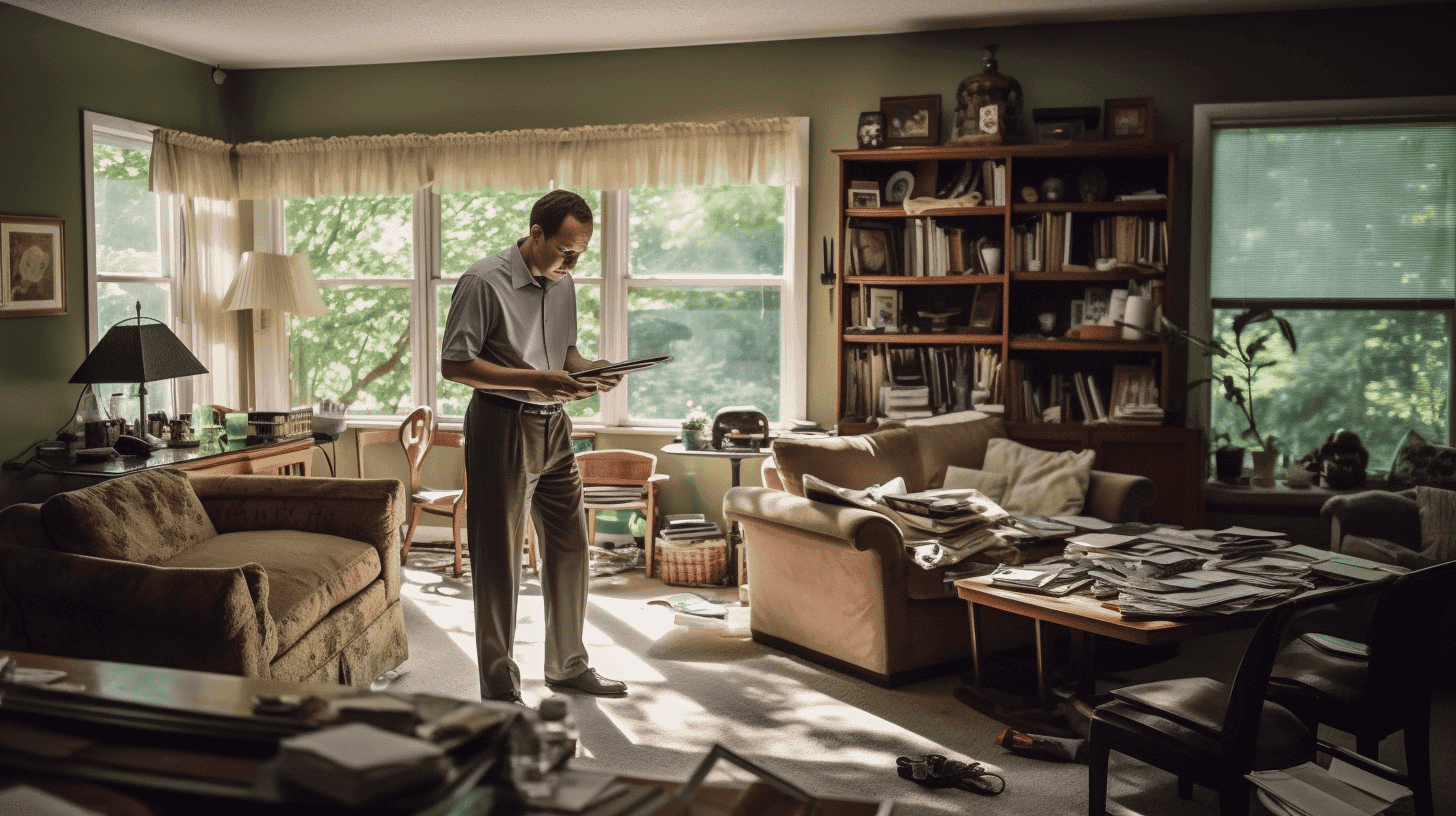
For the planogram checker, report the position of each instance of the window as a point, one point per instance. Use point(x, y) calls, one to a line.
point(1341, 217)
point(705, 274)
point(129, 231)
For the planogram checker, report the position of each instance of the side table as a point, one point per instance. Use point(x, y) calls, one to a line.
point(735, 458)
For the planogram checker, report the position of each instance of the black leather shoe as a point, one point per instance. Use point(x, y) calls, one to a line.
point(513, 697)
point(589, 682)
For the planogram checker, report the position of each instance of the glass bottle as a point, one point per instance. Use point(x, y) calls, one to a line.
point(988, 104)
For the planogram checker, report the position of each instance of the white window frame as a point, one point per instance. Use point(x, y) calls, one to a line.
point(1206, 118)
point(793, 284)
point(169, 226)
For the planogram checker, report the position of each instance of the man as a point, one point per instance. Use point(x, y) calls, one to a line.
point(511, 335)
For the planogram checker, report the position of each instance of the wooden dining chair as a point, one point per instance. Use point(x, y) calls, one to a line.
point(417, 435)
point(622, 468)
point(1205, 731)
point(1385, 690)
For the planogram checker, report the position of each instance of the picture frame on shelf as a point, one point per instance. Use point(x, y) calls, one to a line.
point(863, 199)
point(1130, 118)
point(871, 250)
point(1079, 308)
point(911, 120)
point(32, 266)
point(985, 308)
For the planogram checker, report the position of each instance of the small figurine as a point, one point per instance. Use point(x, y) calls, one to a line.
point(1343, 459)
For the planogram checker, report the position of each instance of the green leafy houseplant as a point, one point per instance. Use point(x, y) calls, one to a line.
point(692, 425)
point(1243, 364)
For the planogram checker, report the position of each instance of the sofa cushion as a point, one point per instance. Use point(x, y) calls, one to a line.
point(147, 518)
point(991, 485)
point(1438, 523)
point(855, 462)
point(1418, 462)
point(308, 573)
point(1041, 482)
point(954, 439)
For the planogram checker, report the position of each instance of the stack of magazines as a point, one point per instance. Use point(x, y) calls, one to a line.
point(613, 494)
point(688, 528)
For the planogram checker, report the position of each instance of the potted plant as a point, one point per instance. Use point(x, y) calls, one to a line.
point(692, 426)
point(1241, 366)
point(1228, 459)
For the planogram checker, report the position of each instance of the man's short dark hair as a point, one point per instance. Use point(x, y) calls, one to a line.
point(551, 210)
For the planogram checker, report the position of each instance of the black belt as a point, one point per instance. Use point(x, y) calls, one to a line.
point(518, 405)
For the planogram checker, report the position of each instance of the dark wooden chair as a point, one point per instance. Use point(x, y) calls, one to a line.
point(1205, 731)
point(1388, 690)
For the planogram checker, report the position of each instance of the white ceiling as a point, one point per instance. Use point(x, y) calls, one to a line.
point(298, 33)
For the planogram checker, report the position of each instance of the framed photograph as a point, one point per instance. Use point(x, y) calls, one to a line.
point(986, 308)
point(871, 251)
point(859, 199)
point(1129, 118)
point(1133, 386)
point(911, 120)
point(1079, 308)
point(32, 266)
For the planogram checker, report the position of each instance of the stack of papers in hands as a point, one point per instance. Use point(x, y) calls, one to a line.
point(358, 763)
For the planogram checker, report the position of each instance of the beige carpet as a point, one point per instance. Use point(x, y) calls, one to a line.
point(830, 734)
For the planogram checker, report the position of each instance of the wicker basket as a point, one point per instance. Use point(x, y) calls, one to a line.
point(701, 564)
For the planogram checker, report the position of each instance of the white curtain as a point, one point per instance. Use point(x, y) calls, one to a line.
point(210, 249)
point(607, 157)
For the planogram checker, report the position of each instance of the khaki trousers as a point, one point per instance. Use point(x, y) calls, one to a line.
point(515, 461)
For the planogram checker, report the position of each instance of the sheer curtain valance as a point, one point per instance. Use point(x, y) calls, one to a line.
point(597, 157)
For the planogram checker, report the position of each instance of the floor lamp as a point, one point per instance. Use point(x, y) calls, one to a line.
point(268, 282)
point(134, 351)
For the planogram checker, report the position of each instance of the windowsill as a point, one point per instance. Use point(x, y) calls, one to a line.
point(453, 424)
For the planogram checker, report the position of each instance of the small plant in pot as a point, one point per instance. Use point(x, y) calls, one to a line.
point(692, 426)
point(1228, 459)
point(1240, 367)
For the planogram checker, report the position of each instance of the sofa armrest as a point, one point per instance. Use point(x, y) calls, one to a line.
point(832, 525)
point(1117, 497)
point(1393, 517)
point(366, 510)
point(208, 619)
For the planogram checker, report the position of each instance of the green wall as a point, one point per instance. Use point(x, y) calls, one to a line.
point(49, 71)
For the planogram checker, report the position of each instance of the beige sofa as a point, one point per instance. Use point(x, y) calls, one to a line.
point(835, 584)
point(279, 577)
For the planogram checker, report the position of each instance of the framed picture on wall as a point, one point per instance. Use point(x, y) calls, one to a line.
point(911, 120)
point(32, 266)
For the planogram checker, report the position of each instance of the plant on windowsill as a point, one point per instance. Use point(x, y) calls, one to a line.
point(1239, 368)
point(692, 426)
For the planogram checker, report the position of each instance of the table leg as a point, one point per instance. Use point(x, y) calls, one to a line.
point(975, 613)
point(1043, 682)
point(1084, 664)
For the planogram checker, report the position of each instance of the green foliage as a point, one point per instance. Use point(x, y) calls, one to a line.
point(1242, 368)
point(724, 339)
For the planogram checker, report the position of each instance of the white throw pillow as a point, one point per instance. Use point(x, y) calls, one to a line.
point(992, 485)
point(1040, 482)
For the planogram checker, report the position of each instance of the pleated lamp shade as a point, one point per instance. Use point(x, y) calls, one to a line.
point(269, 280)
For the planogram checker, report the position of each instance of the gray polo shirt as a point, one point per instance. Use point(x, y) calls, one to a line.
point(503, 314)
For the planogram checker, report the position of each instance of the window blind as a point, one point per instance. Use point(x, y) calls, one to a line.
point(1334, 211)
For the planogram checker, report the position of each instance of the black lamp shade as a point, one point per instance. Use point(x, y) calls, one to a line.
point(137, 353)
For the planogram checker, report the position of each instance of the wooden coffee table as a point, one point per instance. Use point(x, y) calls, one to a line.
point(1085, 617)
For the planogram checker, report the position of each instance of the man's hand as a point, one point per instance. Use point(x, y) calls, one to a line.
point(562, 387)
point(603, 382)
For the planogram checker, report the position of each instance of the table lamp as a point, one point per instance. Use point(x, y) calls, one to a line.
point(138, 352)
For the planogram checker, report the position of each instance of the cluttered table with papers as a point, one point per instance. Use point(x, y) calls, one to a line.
point(1152, 585)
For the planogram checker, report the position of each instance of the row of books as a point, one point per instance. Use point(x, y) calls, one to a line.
point(916, 247)
point(918, 381)
point(1057, 242)
point(1132, 398)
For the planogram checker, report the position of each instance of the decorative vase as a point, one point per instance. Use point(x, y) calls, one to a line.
point(691, 439)
point(871, 133)
point(1265, 461)
point(1228, 464)
point(988, 104)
